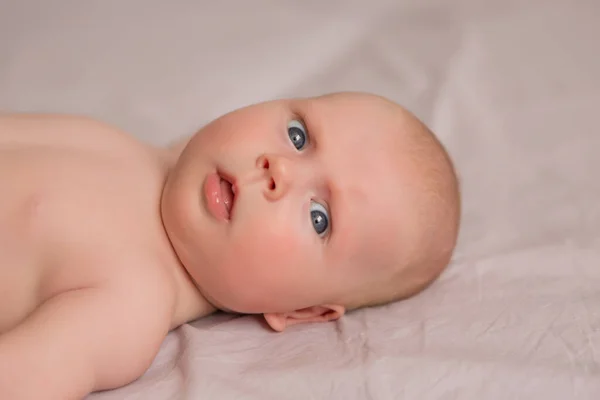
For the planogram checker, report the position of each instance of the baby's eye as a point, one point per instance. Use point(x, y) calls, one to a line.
point(319, 218)
point(297, 134)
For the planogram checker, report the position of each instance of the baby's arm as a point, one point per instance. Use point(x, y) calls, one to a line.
point(82, 341)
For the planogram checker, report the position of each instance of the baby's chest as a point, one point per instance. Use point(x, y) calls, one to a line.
point(59, 214)
point(21, 246)
point(19, 265)
point(19, 242)
point(49, 194)
point(45, 194)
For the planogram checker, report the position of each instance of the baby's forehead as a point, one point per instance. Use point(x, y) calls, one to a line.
point(358, 128)
point(361, 112)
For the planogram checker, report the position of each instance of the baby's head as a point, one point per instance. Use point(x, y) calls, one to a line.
point(302, 209)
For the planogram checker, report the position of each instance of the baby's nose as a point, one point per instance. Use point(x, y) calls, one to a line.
point(277, 173)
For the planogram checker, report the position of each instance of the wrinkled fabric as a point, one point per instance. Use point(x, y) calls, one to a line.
point(512, 89)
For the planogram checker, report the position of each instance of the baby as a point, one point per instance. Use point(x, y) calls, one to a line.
point(298, 209)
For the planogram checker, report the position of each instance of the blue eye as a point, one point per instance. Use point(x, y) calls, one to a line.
point(297, 134)
point(319, 218)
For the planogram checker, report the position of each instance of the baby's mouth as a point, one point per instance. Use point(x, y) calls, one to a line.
point(228, 193)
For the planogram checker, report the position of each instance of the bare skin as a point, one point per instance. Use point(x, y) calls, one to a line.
point(83, 258)
point(107, 244)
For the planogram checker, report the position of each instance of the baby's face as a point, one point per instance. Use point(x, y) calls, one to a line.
point(285, 205)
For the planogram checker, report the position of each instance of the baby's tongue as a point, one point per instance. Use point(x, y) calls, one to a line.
point(227, 194)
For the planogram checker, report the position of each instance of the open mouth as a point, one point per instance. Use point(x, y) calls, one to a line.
point(228, 194)
point(219, 194)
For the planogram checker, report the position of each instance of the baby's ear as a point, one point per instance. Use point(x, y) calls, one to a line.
point(329, 312)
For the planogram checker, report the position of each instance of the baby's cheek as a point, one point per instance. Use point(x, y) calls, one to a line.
point(259, 268)
point(265, 254)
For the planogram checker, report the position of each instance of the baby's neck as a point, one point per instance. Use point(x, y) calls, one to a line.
point(191, 304)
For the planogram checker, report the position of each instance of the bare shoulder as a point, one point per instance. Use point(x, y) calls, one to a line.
point(61, 129)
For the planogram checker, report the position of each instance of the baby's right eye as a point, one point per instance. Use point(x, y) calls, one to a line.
point(297, 134)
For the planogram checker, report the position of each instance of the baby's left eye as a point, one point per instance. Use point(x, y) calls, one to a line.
point(319, 218)
point(297, 134)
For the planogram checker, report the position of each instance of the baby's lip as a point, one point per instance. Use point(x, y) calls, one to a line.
point(213, 194)
point(229, 199)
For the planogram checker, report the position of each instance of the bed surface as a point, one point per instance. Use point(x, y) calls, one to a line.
point(512, 88)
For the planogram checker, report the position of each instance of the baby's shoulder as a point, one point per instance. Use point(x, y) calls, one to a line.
point(73, 176)
point(62, 130)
